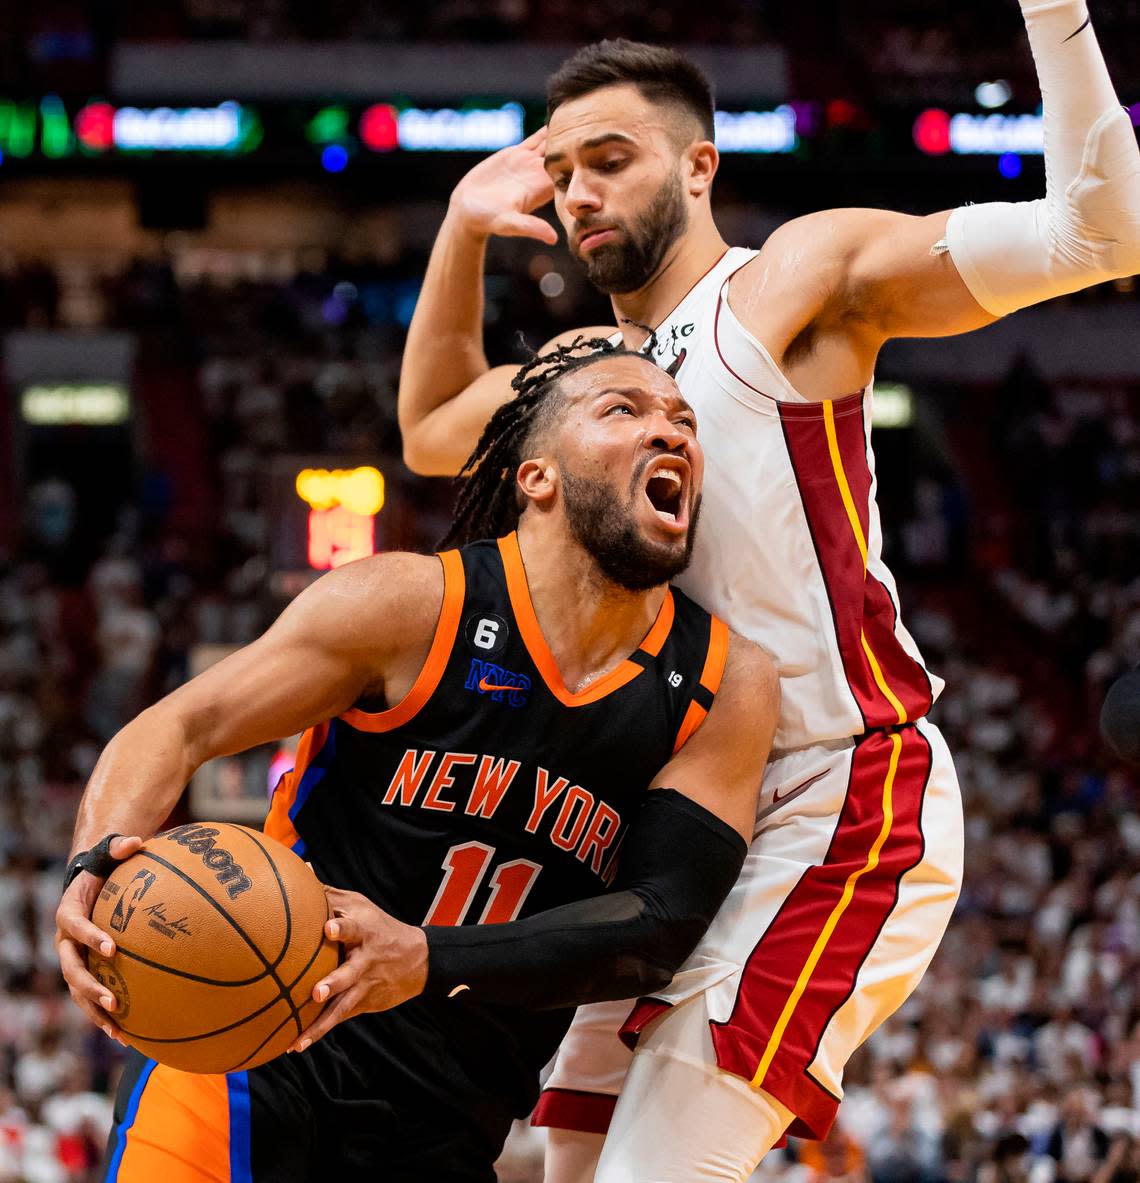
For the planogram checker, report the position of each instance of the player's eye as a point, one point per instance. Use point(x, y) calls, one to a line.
point(620, 407)
point(688, 421)
point(561, 182)
point(613, 165)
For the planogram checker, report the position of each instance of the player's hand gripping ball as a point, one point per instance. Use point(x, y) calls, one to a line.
point(219, 934)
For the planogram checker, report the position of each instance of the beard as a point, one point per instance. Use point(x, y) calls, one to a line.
point(631, 262)
point(606, 529)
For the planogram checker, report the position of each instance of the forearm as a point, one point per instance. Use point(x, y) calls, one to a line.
point(137, 780)
point(444, 350)
point(1087, 228)
point(679, 862)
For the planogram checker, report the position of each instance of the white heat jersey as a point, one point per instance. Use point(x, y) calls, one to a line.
point(788, 550)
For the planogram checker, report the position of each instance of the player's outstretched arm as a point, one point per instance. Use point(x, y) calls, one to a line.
point(890, 275)
point(364, 629)
point(447, 389)
point(680, 858)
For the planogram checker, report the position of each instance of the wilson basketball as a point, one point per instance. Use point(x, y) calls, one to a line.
point(219, 942)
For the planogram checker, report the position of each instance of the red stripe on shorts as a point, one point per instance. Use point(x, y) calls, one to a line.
point(860, 605)
point(804, 967)
point(572, 1109)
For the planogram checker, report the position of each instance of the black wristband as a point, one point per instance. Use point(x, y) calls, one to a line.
point(97, 861)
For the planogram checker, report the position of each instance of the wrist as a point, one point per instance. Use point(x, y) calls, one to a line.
point(460, 224)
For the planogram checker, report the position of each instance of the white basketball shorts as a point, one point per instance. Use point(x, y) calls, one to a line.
point(852, 876)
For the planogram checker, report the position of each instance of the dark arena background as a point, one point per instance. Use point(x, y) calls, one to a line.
point(214, 217)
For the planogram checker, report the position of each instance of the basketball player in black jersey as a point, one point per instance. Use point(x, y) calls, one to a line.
point(482, 732)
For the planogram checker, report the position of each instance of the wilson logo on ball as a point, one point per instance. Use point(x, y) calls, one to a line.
point(201, 840)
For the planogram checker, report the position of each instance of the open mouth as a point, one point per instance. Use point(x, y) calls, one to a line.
point(665, 491)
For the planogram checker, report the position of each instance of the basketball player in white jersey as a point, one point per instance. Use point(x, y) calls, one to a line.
point(856, 861)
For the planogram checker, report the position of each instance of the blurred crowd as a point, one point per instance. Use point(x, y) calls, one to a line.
point(1017, 1061)
point(879, 48)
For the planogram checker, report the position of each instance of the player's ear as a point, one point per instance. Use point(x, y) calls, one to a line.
point(537, 479)
point(702, 160)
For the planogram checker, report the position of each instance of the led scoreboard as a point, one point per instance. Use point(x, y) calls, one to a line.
point(325, 514)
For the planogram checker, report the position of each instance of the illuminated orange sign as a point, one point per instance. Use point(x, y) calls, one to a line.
point(343, 503)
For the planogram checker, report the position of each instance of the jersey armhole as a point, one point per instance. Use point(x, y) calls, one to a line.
point(711, 674)
point(454, 588)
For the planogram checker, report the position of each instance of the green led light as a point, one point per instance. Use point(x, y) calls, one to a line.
point(328, 126)
point(18, 129)
point(56, 139)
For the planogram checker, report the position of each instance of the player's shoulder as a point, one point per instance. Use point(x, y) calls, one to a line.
point(829, 236)
point(385, 595)
point(749, 669)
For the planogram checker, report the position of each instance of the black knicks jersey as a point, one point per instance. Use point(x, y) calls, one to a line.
point(490, 792)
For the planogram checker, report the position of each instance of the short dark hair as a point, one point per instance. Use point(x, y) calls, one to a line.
point(661, 75)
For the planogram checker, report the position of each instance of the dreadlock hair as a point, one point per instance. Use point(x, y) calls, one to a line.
point(488, 505)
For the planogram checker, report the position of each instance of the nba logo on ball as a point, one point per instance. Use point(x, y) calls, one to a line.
point(129, 900)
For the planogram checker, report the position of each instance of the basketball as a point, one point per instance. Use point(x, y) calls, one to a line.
point(219, 942)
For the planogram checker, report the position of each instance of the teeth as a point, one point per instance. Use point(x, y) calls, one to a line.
point(667, 474)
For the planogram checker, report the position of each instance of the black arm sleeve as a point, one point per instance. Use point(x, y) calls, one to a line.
point(678, 863)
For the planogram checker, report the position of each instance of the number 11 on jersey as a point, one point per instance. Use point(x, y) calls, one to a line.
point(464, 869)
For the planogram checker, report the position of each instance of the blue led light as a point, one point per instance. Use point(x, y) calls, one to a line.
point(334, 158)
point(1009, 165)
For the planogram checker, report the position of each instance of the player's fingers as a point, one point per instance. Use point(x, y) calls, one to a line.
point(123, 847)
point(87, 992)
point(536, 141)
point(344, 927)
point(343, 978)
point(74, 924)
point(336, 1012)
point(80, 979)
point(525, 226)
point(339, 899)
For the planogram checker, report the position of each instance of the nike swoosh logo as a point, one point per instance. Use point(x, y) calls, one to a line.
point(487, 687)
point(778, 796)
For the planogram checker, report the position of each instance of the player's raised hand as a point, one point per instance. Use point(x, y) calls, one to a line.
point(499, 194)
point(75, 933)
point(385, 963)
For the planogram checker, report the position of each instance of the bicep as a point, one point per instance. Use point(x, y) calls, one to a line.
point(901, 280)
point(333, 644)
point(722, 764)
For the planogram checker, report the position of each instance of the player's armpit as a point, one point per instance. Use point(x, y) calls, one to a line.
point(900, 279)
point(439, 443)
point(722, 765)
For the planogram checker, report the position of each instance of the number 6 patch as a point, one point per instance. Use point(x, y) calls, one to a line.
point(486, 633)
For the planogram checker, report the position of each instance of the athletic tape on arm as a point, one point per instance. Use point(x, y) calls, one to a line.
point(1086, 229)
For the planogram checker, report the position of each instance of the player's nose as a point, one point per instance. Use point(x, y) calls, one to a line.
point(666, 436)
point(581, 197)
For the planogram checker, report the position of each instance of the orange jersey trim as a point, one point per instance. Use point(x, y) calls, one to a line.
point(694, 717)
point(717, 656)
point(715, 660)
point(278, 824)
point(531, 632)
point(454, 590)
